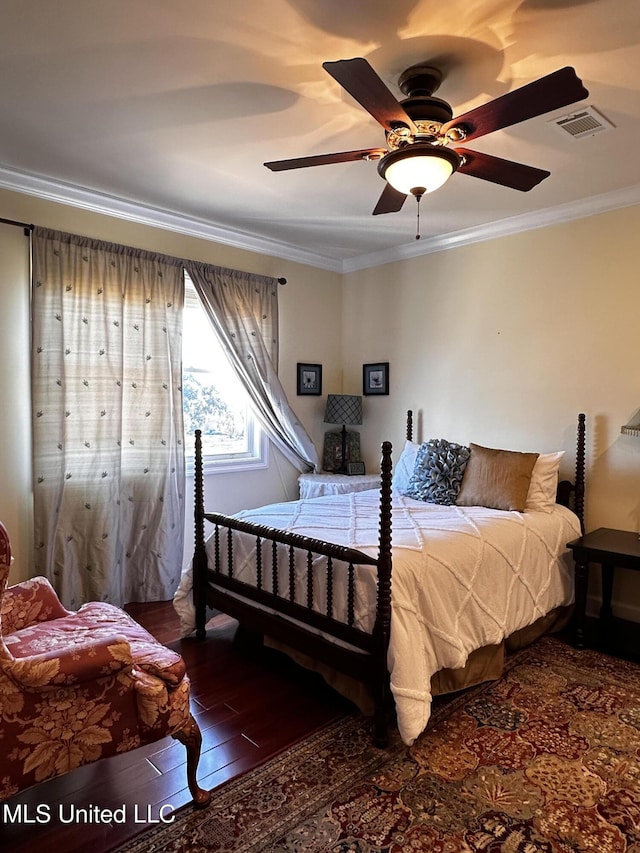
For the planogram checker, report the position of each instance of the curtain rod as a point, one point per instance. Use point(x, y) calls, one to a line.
point(27, 227)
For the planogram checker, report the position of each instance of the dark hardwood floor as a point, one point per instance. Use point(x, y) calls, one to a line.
point(250, 703)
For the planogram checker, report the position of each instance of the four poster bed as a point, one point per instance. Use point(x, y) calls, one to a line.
point(315, 577)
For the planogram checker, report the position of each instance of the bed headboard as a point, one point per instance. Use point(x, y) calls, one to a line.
point(573, 493)
point(569, 494)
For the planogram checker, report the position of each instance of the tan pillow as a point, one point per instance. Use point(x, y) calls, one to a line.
point(498, 479)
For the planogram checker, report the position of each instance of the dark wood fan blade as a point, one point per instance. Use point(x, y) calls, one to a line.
point(359, 79)
point(556, 90)
point(325, 159)
point(390, 201)
point(508, 173)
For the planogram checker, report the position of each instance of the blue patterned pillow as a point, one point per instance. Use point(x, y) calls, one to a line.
point(438, 471)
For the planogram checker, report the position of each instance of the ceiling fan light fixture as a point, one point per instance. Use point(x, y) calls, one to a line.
point(419, 167)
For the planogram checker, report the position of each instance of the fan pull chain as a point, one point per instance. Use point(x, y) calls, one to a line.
point(418, 192)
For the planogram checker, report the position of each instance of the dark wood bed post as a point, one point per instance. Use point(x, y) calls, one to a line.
point(409, 425)
point(580, 471)
point(382, 627)
point(199, 567)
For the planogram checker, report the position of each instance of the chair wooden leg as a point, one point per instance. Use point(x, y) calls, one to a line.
point(191, 737)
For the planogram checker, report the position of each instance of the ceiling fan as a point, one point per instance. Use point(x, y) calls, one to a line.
point(422, 135)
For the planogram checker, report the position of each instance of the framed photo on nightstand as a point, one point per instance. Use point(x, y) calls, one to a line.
point(332, 453)
point(355, 468)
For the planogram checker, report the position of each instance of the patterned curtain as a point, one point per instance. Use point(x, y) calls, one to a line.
point(243, 309)
point(107, 419)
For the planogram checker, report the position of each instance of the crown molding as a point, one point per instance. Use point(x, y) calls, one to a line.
point(97, 202)
point(580, 209)
point(87, 199)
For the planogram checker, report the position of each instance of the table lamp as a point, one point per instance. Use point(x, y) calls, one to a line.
point(345, 409)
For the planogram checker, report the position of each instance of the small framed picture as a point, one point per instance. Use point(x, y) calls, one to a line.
point(375, 378)
point(310, 379)
point(355, 468)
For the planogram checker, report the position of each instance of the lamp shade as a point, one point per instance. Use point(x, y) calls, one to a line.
point(343, 409)
point(419, 168)
point(633, 427)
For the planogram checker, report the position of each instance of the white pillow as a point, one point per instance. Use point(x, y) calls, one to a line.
point(404, 466)
point(544, 482)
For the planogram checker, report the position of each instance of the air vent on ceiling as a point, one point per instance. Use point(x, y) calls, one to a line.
point(585, 122)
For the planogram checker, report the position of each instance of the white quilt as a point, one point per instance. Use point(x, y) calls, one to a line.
point(463, 577)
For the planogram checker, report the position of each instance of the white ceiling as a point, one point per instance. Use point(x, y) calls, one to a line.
point(166, 110)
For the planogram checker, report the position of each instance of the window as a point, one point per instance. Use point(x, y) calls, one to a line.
point(214, 400)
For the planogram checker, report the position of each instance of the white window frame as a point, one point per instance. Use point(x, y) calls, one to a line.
point(257, 454)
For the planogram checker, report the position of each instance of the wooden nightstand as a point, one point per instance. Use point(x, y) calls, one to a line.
point(317, 485)
point(609, 548)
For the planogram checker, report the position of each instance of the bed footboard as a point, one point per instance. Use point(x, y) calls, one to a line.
point(281, 599)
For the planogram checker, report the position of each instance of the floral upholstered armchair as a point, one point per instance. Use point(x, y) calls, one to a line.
point(79, 686)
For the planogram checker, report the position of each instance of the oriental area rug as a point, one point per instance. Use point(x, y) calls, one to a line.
point(547, 759)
